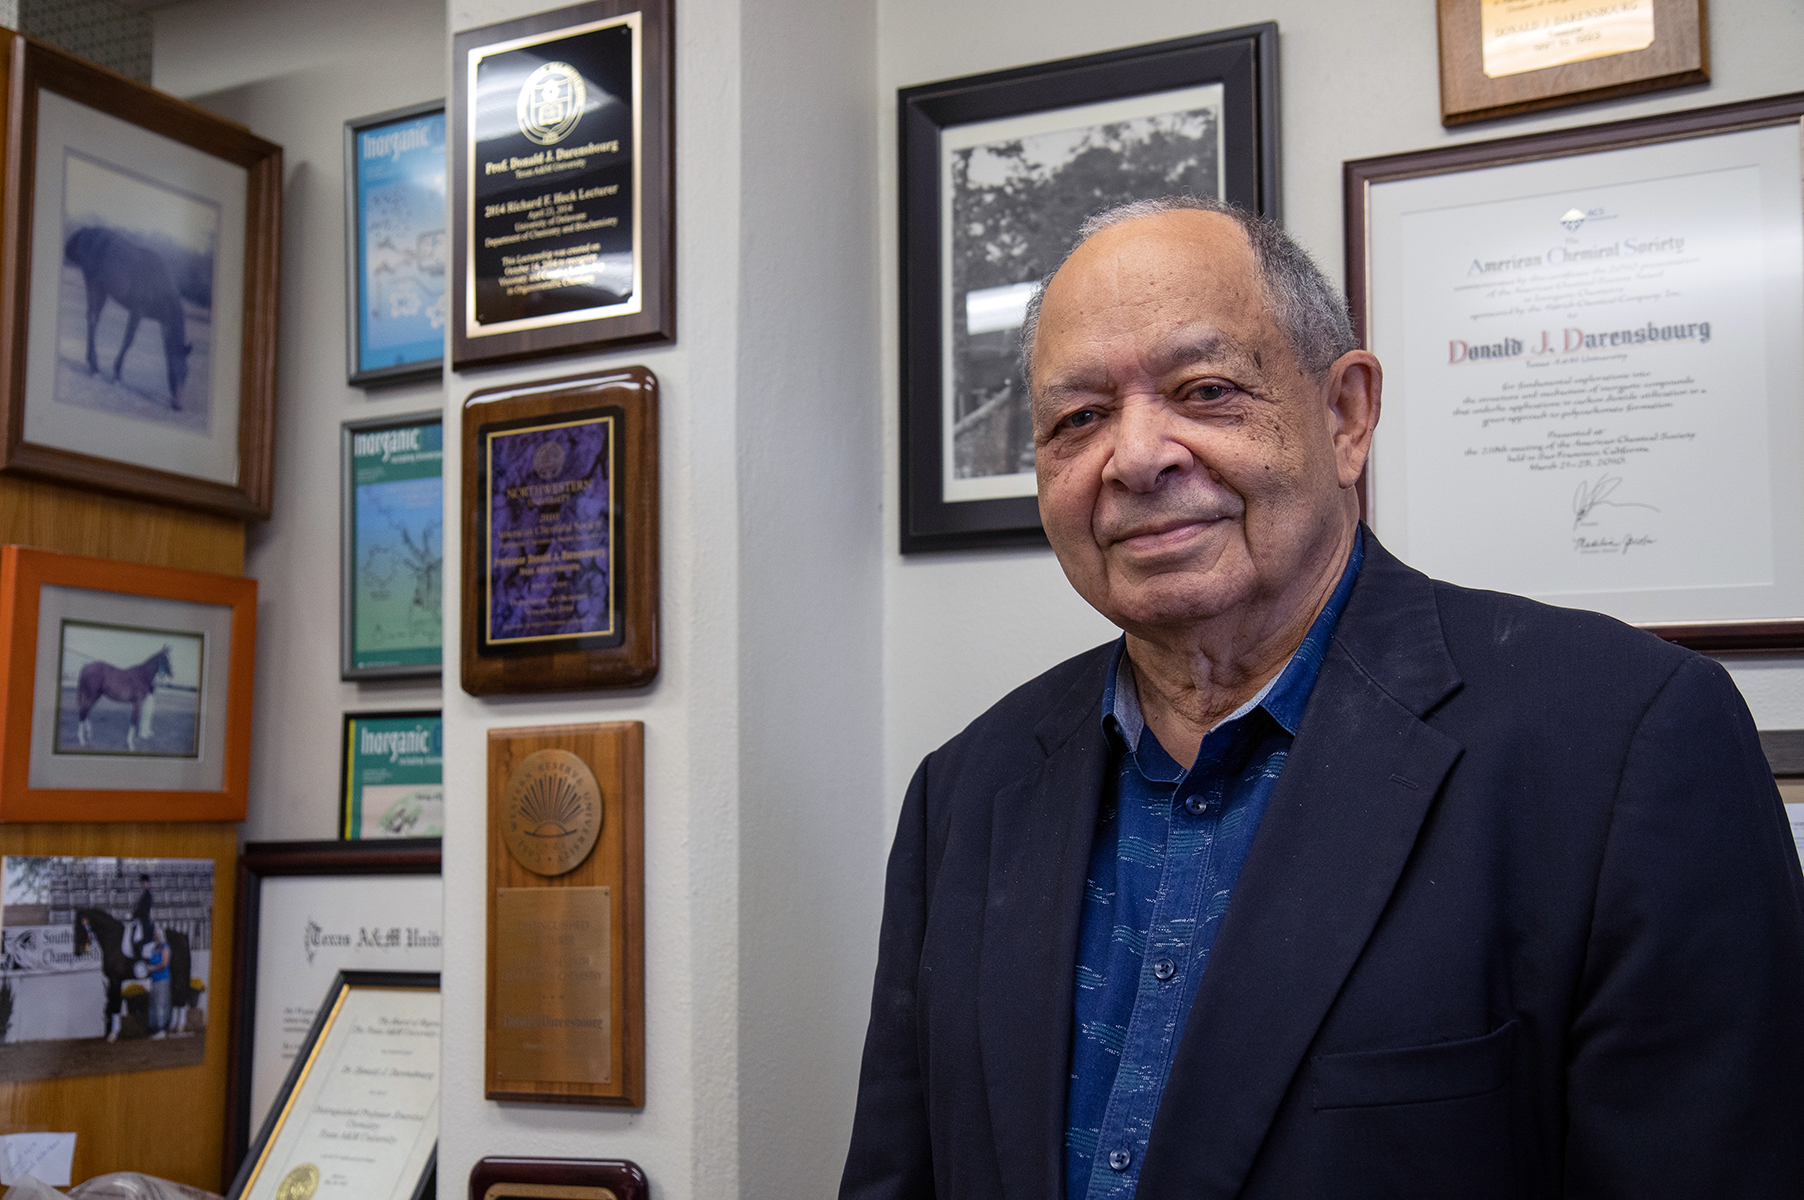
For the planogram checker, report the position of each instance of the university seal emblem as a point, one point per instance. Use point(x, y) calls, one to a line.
point(551, 103)
point(552, 814)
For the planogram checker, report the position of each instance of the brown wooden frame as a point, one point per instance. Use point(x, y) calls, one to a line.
point(23, 571)
point(634, 661)
point(559, 1178)
point(1358, 176)
point(1679, 57)
point(656, 319)
point(30, 67)
point(615, 752)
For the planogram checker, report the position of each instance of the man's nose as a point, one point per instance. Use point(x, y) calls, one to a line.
point(1146, 446)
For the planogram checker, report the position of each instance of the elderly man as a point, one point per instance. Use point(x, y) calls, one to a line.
point(1326, 879)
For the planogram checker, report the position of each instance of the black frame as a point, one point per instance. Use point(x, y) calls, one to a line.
point(425, 1188)
point(347, 552)
point(1244, 60)
point(261, 860)
point(424, 368)
point(344, 765)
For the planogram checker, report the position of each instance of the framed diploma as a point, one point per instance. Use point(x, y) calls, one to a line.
point(305, 912)
point(566, 923)
point(563, 182)
point(392, 509)
point(561, 534)
point(1593, 367)
point(395, 248)
point(357, 1116)
point(557, 1179)
point(998, 172)
point(1504, 57)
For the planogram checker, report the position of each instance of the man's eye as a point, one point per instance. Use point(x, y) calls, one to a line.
point(1210, 392)
point(1080, 418)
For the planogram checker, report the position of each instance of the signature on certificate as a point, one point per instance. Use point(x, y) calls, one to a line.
point(1592, 496)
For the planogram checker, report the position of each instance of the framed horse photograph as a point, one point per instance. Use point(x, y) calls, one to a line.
point(127, 690)
point(138, 290)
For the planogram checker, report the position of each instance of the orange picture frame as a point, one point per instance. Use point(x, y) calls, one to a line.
point(197, 760)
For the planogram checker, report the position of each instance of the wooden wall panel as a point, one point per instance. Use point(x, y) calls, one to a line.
point(53, 517)
point(168, 1123)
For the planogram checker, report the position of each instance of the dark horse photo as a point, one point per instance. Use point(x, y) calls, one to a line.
point(135, 686)
point(117, 267)
point(123, 963)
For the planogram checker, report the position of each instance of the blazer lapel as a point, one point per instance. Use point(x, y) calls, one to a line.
point(1342, 821)
point(1042, 828)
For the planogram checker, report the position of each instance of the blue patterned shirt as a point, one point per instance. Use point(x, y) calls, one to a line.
point(1169, 845)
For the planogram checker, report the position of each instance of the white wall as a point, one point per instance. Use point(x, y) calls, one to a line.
point(1357, 80)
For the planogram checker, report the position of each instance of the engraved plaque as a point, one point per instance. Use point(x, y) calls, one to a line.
point(552, 994)
point(553, 812)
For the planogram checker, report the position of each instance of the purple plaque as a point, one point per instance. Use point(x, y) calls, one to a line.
point(551, 537)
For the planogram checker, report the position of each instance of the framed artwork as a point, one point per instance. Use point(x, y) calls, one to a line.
point(392, 506)
point(560, 550)
point(569, 1178)
point(307, 911)
point(998, 171)
point(138, 290)
point(393, 776)
point(127, 693)
point(1592, 365)
point(1500, 58)
point(563, 211)
point(395, 166)
point(361, 1098)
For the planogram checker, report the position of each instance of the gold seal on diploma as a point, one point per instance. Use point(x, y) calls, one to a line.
point(299, 1184)
point(552, 812)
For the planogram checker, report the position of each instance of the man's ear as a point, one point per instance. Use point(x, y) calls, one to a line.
point(1353, 392)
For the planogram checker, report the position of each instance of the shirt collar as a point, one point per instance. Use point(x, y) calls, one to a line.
point(1283, 697)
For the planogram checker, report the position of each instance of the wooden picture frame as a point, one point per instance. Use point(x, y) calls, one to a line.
point(556, 1032)
point(1593, 192)
point(560, 538)
point(392, 547)
point(372, 1025)
point(395, 325)
point(150, 753)
point(1495, 70)
point(392, 775)
point(564, 219)
point(329, 889)
point(106, 178)
point(558, 1179)
point(1204, 108)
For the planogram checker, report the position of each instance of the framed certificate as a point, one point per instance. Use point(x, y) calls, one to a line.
point(998, 172)
point(1592, 367)
point(393, 776)
point(395, 245)
point(358, 1112)
point(563, 182)
point(392, 500)
point(561, 534)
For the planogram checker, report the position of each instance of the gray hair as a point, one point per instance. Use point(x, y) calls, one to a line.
point(1306, 307)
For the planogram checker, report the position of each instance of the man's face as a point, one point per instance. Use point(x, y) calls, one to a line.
point(1187, 467)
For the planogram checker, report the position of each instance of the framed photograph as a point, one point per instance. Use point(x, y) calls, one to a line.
point(998, 172)
point(560, 550)
point(104, 964)
point(307, 911)
point(568, 1178)
point(393, 776)
point(563, 212)
point(391, 622)
point(1500, 58)
point(395, 165)
point(138, 290)
point(358, 1111)
point(1592, 365)
point(127, 693)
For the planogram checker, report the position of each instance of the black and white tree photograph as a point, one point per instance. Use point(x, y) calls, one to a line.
point(1018, 190)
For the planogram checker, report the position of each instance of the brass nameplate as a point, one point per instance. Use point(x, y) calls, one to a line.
point(1533, 35)
point(551, 984)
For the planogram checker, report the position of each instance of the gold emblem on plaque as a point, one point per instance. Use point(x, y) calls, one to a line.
point(299, 1184)
point(551, 102)
point(552, 812)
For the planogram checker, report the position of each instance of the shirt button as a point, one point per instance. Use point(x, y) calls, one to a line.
point(1196, 805)
point(1118, 1160)
point(1164, 969)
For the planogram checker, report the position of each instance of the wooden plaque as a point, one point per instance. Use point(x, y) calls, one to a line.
point(566, 951)
point(557, 1179)
point(1673, 50)
point(560, 534)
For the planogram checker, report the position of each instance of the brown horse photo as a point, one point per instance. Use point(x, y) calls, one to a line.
point(129, 691)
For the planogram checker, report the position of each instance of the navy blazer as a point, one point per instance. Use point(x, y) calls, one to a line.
point(1523, 919)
